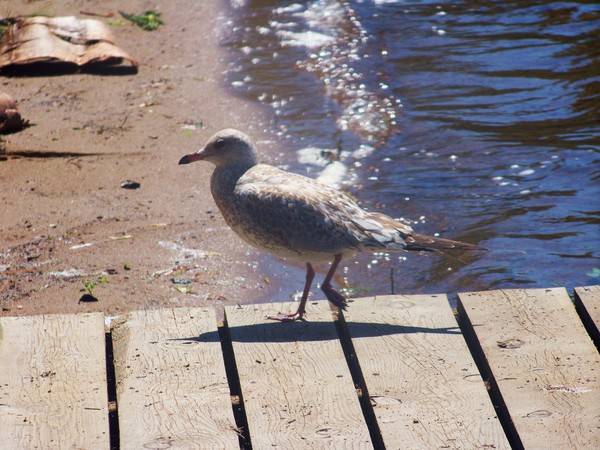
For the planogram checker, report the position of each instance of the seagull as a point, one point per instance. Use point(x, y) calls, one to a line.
point(296, 217)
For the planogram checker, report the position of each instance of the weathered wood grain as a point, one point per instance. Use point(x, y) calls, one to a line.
point(172, 390)
point(543, 362)
point(425, 388)
point(53, 390)
point(587, 302)
point(297, 388)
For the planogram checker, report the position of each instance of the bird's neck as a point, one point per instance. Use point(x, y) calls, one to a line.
point(224, 179)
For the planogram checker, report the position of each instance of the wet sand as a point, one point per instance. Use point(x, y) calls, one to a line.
point(65, 218)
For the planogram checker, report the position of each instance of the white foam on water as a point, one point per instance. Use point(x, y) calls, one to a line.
point(363, 151)
point(308, 39)
point(333, 174)
point(314, 156)
point(294, 7)
point(324, 14)
point(526, 172)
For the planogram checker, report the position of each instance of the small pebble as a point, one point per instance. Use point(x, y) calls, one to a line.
point(128, 184)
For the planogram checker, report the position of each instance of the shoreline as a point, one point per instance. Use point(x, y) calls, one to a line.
point(66, 219)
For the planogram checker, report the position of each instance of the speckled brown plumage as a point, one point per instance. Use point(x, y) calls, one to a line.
point(292, 216)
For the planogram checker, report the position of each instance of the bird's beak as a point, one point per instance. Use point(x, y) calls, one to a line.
point(196, 156)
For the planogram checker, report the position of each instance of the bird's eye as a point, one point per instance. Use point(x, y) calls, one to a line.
point(220, 143)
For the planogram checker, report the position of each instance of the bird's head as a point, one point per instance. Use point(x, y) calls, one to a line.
point(227, 147)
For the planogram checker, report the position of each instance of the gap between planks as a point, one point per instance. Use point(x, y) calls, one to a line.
point(587, 304)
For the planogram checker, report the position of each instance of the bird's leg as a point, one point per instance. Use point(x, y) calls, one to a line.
point(332, 295)
point(290, 317)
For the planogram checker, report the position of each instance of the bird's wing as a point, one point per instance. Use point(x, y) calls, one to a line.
point(311, 215)
point(384, 231)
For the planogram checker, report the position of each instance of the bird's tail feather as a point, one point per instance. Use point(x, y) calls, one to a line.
point(395, 235)
point(420, 242)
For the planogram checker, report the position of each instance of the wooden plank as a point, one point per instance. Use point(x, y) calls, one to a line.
point(587, 303)
point(296, 385)
point(53, 391)
point(425, 388)
point(543, 362)
point(172, 389)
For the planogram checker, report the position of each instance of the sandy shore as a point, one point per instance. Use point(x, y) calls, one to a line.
point(66, 220)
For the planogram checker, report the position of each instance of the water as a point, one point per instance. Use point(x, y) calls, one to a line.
point(479, 121)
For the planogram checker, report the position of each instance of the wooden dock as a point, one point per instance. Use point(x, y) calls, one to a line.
point(513, 369)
